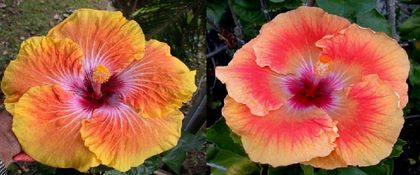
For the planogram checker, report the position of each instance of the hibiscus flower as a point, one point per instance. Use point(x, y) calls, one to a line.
point(313, 88)
point(94, 91)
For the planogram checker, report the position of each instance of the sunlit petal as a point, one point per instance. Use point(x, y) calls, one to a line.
point(106, 38)
point(47, 122)
point(41, 61)
point(157, 84)
point(121, 138)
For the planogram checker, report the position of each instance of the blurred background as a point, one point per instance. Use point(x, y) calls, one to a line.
point(180, 23)
point(231, 23)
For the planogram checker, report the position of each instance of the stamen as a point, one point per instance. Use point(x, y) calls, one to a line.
point(324, 65)
point(101, 74)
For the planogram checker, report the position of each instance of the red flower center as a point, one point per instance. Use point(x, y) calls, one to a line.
point(99, 88)
point(310, 91)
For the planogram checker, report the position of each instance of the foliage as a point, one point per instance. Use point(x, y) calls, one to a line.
point(188, 142)
point(349, 9)
point(411, 27)
point(178, 22)
point(148, 167)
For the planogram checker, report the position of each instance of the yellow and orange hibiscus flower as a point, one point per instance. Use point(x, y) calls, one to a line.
point(313, 88)
point(94, 91)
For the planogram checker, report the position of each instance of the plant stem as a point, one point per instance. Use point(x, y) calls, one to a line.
point(215, 52)
point(264, 9)
point(411, 117)
point(238, 29)
point(390, 7)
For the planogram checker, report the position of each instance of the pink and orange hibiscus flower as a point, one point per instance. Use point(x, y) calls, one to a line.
point(94, 91)
point(313, 88)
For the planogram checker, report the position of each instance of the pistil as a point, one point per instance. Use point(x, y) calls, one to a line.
point(100, 75)
point(323, 65)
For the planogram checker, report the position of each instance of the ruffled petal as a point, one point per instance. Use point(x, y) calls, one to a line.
point(371, 53)
point(282, 137)
point(157, 84)
point(247, 83)
point(41, 61)
point(107, 38)
point(47, 123)
point(368, 127)
point(289, 39)
point(122, 139)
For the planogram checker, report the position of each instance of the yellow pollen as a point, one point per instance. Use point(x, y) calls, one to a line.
point(324, 59)
point(324, 65)
point(101, 74)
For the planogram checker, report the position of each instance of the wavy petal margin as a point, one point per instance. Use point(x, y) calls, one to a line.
point(106, 38)
point(122, 139)
point(156, 85)
point(368, 127)
point(289, 39)
point(246, 82)
point(47, 123)
point(282, 137)
point(41, 61)
point(372, 53)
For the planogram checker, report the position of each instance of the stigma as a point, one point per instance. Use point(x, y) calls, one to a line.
point(101, 74)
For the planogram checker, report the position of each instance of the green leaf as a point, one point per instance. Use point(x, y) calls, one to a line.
point(249, 15)
point(410, 28)
point(283, 6)
point(216, 9)
point(188, 142)
point(414, 77)
point(292, 4)
point(351, 171)
point(226, 162)
point(307, 169)
point(347, 8)
point(374, 20)
point(385, 167)
point(220, 134)
point(326, 172)
point(397, 150)
point(147, 168)
point(243, 167)
point(236, 138)
point(248, 11)
point(158, 15)
point(100, 168)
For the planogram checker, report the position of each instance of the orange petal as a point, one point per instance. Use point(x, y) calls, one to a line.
point(122, 139)
point(107, 38)
point(157, 84)
point(41, 61)
point(372, 53)
point(246, 82)
point(47, 123)
point(289, 39)
point(282, 137)
point(368, 127)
